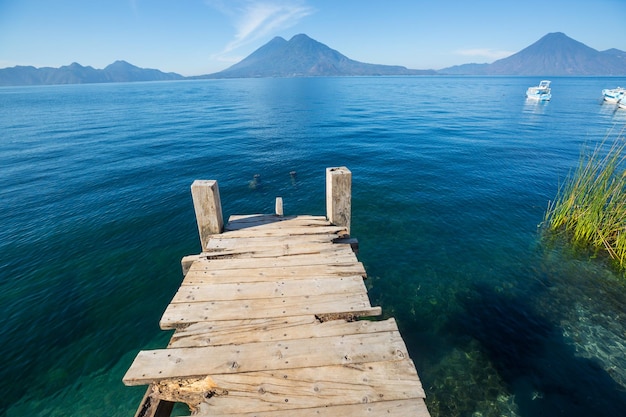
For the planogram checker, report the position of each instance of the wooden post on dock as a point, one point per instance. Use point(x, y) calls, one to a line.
point(339, 196)
point(208, 208)
point(279, 206)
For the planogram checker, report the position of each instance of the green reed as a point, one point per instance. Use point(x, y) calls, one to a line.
point(590, 206)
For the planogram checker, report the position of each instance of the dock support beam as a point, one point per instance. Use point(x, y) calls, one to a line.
point(339, 196)
point(208, 208)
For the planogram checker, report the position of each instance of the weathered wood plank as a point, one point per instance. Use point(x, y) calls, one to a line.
point(187, 261)
point(311, 225)
point(268, 221)
point(224, 241)
point(177, 314)
point(288, 389)
point(260, 219)
point(201, 275)
point(283, 261)
point(399, 408)
point(279, 248)
point(242, 331)
point(260, 216)
point(325, 241)
point(288, 231)
point(278, 288)
point(161, 364)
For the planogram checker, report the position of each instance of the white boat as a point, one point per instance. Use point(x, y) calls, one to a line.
point(540, 92)
point(614, 95)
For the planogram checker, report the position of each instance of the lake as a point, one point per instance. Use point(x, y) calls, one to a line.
point(451, 180)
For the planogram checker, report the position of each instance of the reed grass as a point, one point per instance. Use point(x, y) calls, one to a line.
point(590, 206)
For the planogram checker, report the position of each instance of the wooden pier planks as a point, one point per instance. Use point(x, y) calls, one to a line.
point(269, 289)
point(205, 275)
point(262, 356)
point(218, 333)
point(403, 408)
point(261, 330)
point(306, 388)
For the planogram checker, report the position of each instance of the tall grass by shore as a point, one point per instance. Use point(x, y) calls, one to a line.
point(590, 207)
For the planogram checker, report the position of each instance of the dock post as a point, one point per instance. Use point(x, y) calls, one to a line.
point(339, 196)
point(208, 208)
point(279, 206)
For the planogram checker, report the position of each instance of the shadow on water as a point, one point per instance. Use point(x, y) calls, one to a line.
point(534, 360)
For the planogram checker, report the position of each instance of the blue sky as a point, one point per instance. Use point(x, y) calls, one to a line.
point(194, 37)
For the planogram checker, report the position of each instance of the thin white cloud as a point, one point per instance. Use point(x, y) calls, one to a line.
point(484, 53)
point(253, 20)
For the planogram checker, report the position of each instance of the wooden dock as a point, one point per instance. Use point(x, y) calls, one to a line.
point(267, 322)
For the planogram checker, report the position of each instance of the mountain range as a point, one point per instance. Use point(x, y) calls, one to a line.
point(302, 56)
point(119, 71)
point(555, 54)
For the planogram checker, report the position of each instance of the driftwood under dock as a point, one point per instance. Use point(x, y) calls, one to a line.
point(267, 322)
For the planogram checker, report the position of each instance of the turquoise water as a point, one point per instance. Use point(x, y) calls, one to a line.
point(451, 178)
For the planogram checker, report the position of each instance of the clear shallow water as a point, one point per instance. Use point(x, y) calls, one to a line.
point(95, 214)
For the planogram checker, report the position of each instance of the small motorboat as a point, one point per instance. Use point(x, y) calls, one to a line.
point(540, 92)
point(614, 95)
